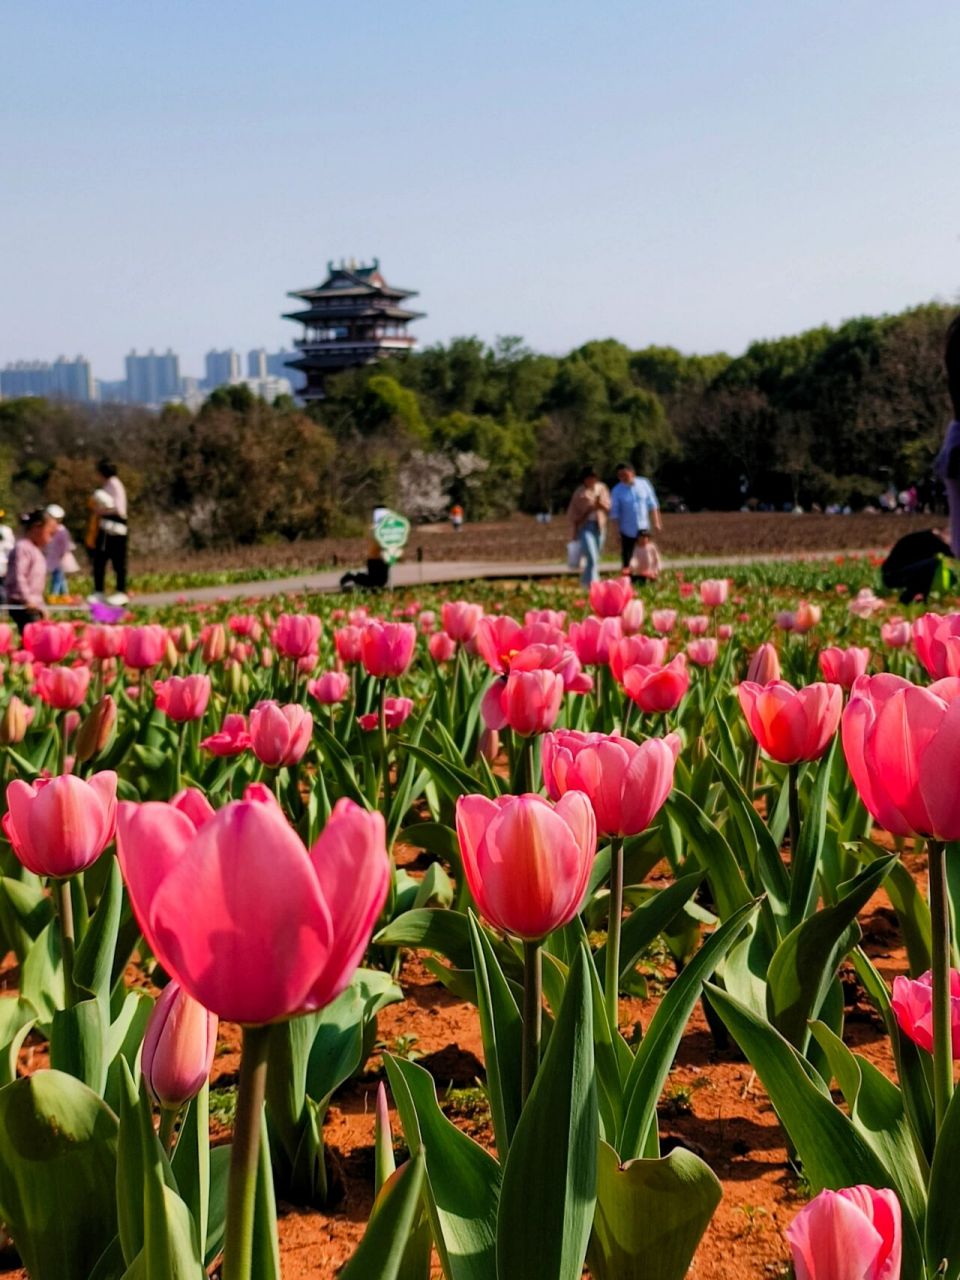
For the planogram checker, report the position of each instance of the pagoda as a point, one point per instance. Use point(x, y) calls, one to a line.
point(353, 318)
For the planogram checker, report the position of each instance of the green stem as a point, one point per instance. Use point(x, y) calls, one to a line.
point(532, 1016)
point(750, 767)
point(611, 987)
point(793, 794)
point(529, 782)
point(181, 732)
point(62, 755)
point(940, 964)
point(68, 946)
point(384, 756)
point(168, 1128)
point(244, 1156)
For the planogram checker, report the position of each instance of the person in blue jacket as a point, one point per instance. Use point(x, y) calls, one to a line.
point(634, 506)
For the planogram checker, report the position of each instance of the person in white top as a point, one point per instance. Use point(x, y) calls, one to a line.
point(60, 558)
point(110, 545)
point(7, 543)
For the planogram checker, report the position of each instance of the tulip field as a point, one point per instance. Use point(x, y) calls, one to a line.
point(502, 931)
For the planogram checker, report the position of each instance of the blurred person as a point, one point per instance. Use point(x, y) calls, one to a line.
point(7, 542)
point(109, 533)
point(60, 558)
point(634, 506)
point(27, 568)
point(587, 514)
point(645, 561)
point(377, 575)
point(456, 517)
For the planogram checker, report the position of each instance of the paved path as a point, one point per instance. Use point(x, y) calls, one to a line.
point(432, 573)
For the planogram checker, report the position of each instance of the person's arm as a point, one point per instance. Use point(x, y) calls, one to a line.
point(654, 509)
point(603, 499)
point(615, 504)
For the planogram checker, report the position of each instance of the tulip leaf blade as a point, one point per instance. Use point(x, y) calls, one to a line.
point(833, 1151)
point(651, 1215)
point(501, 1029)
point(462, 1181)
point(42, 976)
point(712, 851)
point(805, 962)
point(649, 920)
point(77, 1045)
point(655, 1055)
point(382, 1250)
point(943, 1221)
point(805, 859)
point(94, 960)
point(58, 1164)
point(16, 1021)
point(548, 1194)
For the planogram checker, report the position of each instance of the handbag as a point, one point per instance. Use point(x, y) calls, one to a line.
point(574, 553)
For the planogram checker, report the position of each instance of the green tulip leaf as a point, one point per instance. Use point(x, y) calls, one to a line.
point(651, 1215)
point(58, 1162)
point(501, 1031)
point(644, 924)
point(383, 1249)
point(77, 1044)
point(549, 1187)
point(17, 1017)
point(42, 976)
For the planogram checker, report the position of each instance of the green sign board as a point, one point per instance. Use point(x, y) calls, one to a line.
point(391, 532)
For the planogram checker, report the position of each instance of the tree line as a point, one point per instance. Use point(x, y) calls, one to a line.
point(831, 415)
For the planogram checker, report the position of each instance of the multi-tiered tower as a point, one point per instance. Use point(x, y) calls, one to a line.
point(353, 318)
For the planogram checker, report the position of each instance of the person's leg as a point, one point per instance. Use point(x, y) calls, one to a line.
point(118, 558)
point(627, 544)
point(58, 582)
point(99, 554)
point(590, 550)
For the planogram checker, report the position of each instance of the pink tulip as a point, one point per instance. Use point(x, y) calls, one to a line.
point(806, 617)
point(460, 618)
point(280, 735)
point(296, 634)
point(16, 719)
point(764, 665)
point(198, 808)
point(281, 930)
point(145, 646)
point(609, 596)
point(395, 712)
point(246, 625)
point(703, 652)
point(631, 620)
point(901, 742)
point(213, 642)
point(232, 738)
point(531, 701)
point(725, 631)
point(865, 603)
point(497, 640)
point(636, 651)
point(556, 618)
point(491, 707)
point(937, 642)
point(593, 638)
point(626, 783)
point(60, 826)
point(442, 647)
point(386, 648)
point(843, 666)
point(851, 1234)
point(896, 634)
point(182, 698)
point(912, 1002)
point(527, 862)
point(713, 592)
point(663, 620)
point(178, 1047)
point(63, 687)
point(697, 625)
point(786, 620)
point(48, 641)
point(686, 590)
point(6, 637)
point(791, 724)
point(104, 641)
point(330, 688)
point(656, 689)
point(347, 644)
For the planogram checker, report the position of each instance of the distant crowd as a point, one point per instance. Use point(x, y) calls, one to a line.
point(35, 566)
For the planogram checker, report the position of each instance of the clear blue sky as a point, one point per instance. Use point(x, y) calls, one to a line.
point(677, 172)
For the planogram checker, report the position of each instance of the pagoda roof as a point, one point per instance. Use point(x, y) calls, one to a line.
point(352, 280)
point(360, 311)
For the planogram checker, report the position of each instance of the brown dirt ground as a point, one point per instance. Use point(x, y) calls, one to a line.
point(712, 1104)
point(522, 538)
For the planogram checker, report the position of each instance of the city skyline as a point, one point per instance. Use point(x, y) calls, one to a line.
point(681, 174)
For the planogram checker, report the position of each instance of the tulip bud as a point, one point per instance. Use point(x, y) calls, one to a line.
point(266, 656)
point(185, 639)
point(94, 733)
point(764, 665)
point(214, 643)
point(16, 718)
point(234, 680)
point(170, 655)
point(489, 745)
point(178, 1047)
